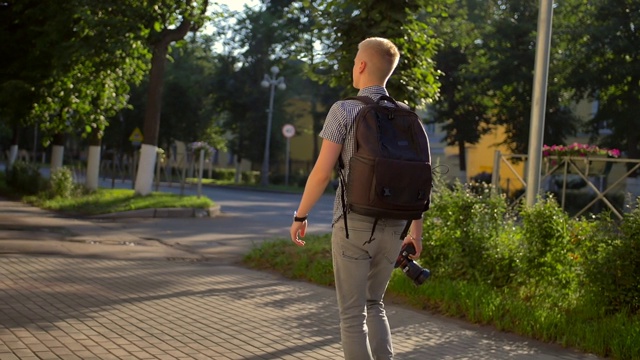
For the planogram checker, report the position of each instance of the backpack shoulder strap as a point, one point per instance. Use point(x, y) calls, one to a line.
point(363, 99)
point(368, 101)
point(389, 99)
point(403, 105)
point(397, 104)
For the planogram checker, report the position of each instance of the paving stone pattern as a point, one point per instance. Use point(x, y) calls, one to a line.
point(75, 308)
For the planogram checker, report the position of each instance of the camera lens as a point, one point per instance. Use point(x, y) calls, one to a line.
point(414, 271)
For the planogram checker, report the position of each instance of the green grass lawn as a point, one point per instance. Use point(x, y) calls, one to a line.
point(106, 201)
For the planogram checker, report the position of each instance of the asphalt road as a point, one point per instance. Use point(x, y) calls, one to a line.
point(247, 217)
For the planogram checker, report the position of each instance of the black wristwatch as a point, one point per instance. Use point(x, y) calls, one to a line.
point(299, 219)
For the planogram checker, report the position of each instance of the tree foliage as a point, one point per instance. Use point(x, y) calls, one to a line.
point(600, 48)
point(258, 39)
point(70, 65)
point(463, 103)
point(509, 46)
point(340, 25)
point(79, 64)
point(189, 113)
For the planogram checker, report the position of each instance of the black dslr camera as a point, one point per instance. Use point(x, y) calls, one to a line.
point(414, 271)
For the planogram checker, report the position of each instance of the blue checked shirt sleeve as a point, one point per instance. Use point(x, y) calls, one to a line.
point(335, 125)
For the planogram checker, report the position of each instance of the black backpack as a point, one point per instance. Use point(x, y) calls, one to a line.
point(390, 170)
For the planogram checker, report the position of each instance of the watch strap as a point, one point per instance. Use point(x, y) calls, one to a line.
point(299, 219)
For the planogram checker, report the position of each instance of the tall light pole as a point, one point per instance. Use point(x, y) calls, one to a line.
point(539, 100)
point(270, 82)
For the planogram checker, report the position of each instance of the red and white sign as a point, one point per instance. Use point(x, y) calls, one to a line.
point(288, 130)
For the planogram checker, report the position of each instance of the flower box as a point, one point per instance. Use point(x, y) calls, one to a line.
point(580, 156)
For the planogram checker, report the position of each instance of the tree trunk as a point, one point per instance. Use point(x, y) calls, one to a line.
point(462, 156)
point(57, 151)
point(318, 120)
point(632, 151)
point(13, 150)
point(93, 162)
point(146, 164)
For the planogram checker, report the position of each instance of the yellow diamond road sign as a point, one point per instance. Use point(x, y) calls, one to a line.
point(136, 136)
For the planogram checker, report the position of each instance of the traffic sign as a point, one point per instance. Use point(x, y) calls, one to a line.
point(288, 130)
point(136, 136)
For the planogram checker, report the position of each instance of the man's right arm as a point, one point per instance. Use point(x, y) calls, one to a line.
point(322, 170)
point(320, 176)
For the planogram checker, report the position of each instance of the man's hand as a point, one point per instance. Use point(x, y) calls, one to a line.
point(417, 244)
point(298, 230)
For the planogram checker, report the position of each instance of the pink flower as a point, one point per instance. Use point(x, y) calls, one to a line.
point(576, 149)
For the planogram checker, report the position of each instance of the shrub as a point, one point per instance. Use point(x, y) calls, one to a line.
point(548, 254)
point(612, 263)
point(223, 174)
point(25, 178)
point(61, 183)
point(479, 182)
point(250, 177)
point(294, 180)
point(460, 231)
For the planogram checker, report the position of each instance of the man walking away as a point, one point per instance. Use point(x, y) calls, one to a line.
point(364, 249)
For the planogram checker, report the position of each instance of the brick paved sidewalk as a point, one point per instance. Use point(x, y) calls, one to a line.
point(72, 308)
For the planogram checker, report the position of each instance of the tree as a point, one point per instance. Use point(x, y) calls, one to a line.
point(463, 103)
point(314, 89)
point(25, 64)
point(258, 39)
point(172, 23)
point(341, 25)
point(15, 97)
point(76, 62)
point(188, 110)
point(603, 64)
point(189, 113)
point(509, 47)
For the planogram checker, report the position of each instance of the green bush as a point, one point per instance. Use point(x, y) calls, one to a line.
point(61, 183)
point(294, 180)
point(541, 253)
point(549, 273)
point(547, 256)
point(461, 234)
point(250, 177)
point(223, 174)
point(611, 263)
point(25, 178)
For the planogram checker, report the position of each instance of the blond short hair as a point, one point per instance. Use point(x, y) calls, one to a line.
point(383, 49)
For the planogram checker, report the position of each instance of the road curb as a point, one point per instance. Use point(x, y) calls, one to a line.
point(213, 211)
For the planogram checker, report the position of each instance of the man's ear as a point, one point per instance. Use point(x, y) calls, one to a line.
point(362, 66)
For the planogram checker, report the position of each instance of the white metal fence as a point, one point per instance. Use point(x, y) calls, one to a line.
point(558, 172)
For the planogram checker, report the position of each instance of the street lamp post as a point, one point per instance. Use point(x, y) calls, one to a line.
point(270, 82)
